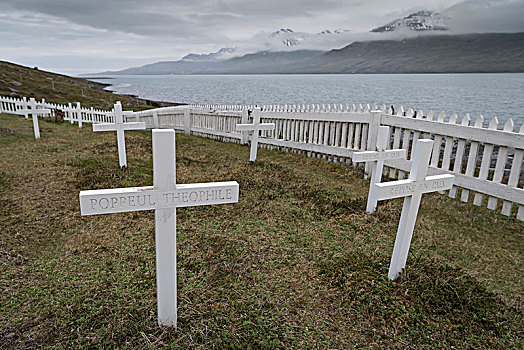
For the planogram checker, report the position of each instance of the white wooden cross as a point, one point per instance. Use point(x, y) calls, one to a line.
point(377, 158)
point(34, 111)
point(412, 189)
point(120, 126)
point(255, 127)
point(164, 197)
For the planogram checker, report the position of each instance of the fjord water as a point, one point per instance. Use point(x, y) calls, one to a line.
point(491, 95)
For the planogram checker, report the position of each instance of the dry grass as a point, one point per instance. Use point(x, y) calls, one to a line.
point(295, 264)
point(19, 81)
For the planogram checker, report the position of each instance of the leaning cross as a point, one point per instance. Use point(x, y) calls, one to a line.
point(164, 197)
point(412, 189)
point(255, 127)
point(34, 111)
point(119, 126)
point(377, 158)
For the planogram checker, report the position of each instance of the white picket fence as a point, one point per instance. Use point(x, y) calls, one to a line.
point(74, 113)
point(487, 162)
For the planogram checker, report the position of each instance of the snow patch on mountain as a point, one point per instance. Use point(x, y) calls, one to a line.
point(418, 21)
point(222, 54)
point(287, 37)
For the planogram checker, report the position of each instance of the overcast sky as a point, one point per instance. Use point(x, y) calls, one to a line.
point(76, 36)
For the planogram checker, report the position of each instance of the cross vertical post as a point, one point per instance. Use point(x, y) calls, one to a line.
point(164, 178)
point(36, 127)
point(33, 110)
point(255, 127)
point(70, 112)
point(25, 107)
point(411, 189)
point(163, 197)
point(120, 139)
point(79, 114)
point(406, 225)
point(119, 126)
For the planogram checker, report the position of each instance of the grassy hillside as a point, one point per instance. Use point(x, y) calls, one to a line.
point(296, 263)
point(19, 81)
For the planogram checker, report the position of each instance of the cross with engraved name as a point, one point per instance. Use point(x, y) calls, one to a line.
point(377, 158)
point(119, 126)
point(34, 111)
point(164, 197)
point(412, 189)
point(255, 127)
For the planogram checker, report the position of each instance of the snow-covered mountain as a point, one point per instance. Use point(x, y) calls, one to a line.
point(288, 37)
point(222, 54)
point(418, 21)
point(336, 31)
point(284, 39)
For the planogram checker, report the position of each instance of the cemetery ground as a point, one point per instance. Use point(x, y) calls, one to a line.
point(296, 263)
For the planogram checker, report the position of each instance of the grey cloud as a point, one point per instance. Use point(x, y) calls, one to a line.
point(78, 30)
point(487, 16)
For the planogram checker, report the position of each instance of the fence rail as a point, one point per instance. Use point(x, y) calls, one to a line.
point(72, 112)
point(486, 161)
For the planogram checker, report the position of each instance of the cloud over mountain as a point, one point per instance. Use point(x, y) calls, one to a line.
point(79, 35)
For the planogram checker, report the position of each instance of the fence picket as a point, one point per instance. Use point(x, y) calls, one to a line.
point(437, 144)
point(472, 158)
point(499, 167)
point(457, 166)
point(486, 161)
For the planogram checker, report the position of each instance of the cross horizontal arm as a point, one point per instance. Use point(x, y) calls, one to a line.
point(367, 156)
point(115, 126)
point(403, 188)
point(261, 126)
point(37, 111)
point(120, 200)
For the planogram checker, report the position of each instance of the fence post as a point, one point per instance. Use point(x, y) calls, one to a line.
point(79, 114)
point(374, 123)
point(245, 120)
point(187, 121)
point(156, 124)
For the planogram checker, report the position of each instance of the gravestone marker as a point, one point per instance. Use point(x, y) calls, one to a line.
point(34, 111)
point(377, 158)
point(255, 127)
point(164, 197)
point(119, 126)
point(412, 189)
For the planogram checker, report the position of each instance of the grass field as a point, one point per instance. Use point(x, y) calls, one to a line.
point(296, 263)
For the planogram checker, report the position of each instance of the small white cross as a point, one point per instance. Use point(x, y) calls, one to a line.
point(34, 111)
point(119, 126)
point(377, 158)
point(164, 197)
point(255, 127)
point(412, 189)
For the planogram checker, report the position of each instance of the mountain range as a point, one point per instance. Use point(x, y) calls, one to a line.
point(429, 51)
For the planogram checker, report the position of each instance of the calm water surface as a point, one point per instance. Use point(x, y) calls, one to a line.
point(500, 95)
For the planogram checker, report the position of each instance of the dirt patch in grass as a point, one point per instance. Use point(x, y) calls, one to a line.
point(296, 263)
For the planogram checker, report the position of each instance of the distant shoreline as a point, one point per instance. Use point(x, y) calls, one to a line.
point(91, 77)
point(152, 103)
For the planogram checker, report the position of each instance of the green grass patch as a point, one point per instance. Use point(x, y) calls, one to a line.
point(296, 263)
